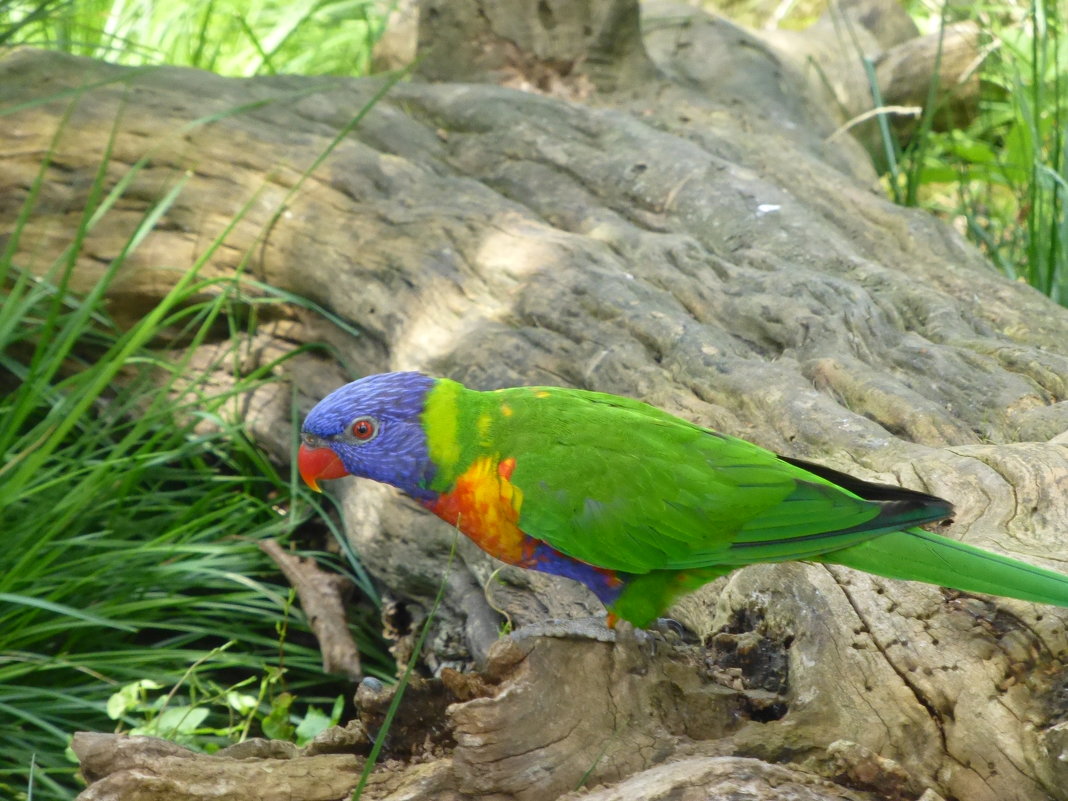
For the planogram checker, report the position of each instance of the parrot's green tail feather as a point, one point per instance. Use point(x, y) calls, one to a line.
point(917, 555)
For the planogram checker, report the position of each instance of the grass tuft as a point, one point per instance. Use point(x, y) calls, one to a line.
point(130, 505)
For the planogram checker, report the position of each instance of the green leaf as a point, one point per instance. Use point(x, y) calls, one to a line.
point(242, 703)
point(174, 723)
point(129, 697)
point(276, 725)
point(314, 722)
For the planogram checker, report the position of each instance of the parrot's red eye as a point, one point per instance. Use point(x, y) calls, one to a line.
point(363, 428)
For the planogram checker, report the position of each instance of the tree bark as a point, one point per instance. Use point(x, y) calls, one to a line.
point(687, 235)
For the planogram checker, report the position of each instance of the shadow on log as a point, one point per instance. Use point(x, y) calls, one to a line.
point(676, 227)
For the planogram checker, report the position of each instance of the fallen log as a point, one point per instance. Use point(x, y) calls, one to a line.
point(679, 229)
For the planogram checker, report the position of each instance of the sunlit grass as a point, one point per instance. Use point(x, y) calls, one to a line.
point(230, 37)
point(1003, 180)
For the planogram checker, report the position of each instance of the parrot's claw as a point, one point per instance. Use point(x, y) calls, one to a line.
point(648, 642)
point(673, 631)
point(580, 628)
point(663, 633)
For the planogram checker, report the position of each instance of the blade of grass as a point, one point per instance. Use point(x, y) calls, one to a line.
point(402, 683)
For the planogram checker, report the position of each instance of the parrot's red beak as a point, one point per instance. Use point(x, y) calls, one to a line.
point(319, 463)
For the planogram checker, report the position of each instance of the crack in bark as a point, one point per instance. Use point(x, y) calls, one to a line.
point(927, 705)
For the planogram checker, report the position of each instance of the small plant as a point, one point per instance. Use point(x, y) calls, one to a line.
point(186, 718)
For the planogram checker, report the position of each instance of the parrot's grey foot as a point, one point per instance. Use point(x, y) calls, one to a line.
point(647, 642)
point(662, 634)
point(673, 631)
point(579, 628)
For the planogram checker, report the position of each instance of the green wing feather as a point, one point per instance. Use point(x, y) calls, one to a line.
point(625, 486)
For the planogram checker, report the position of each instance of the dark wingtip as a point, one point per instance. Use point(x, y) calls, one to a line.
point(897, 499)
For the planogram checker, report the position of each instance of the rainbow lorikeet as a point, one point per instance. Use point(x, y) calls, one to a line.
point(637, 504)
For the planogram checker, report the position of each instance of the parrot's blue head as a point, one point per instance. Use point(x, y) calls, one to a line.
point(372, 428)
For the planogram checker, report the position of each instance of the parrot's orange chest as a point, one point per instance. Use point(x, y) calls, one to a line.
point(484, 505)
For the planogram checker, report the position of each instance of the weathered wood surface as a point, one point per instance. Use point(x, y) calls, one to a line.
point(686, 235)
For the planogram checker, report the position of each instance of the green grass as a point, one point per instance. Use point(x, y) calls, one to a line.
point(133, 596)
point(1003, 180)
point(132, 593)
point(130, 505)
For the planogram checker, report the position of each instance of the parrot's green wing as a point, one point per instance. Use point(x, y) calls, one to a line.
point(622, 485)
